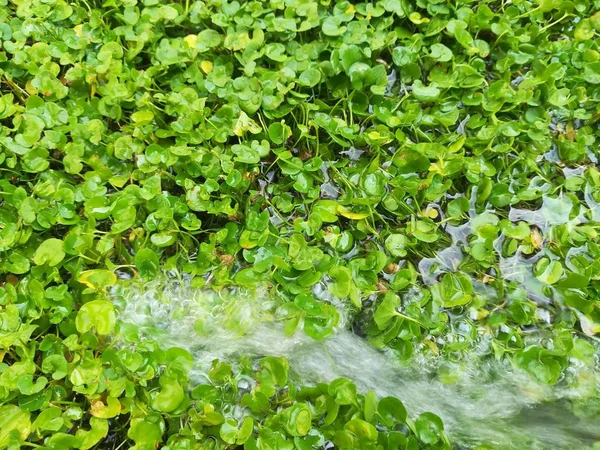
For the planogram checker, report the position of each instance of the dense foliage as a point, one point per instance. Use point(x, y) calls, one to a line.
point(429, 164)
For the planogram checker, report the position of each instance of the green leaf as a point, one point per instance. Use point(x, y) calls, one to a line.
point(391, 410)
point(89, 438)
point(276, 52)
point(163, 239)
point(549, 5)
point(97, 278)
point(56, 365)
point(147, 430)
point(333, 27)
point(429, 428)
point(28, 387)
point(141, 118)
point(343, 281)
point(310, 77)
point(49, 419)
point(170, 395)
point(349, 55)
point(362, 429)
point(591, 72)
point(97, 314)
point(112, 408)
point(455, 290)
point(440, 52)
point(425, 93)
point(386, 310)
point(147, 263)
point(279, 132)
point(299, 419)
point(229, 431)
point(13, 422)
point(396, 244)
point(551, 273)
point(343, 390)
point(370, 407)
point(250, 154)
point(50, 251)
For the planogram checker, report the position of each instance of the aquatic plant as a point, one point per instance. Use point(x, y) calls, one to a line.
point(413, 179)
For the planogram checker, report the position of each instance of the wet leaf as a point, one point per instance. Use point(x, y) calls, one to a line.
point(98, 278)
point(97, 314)
point(50, 251)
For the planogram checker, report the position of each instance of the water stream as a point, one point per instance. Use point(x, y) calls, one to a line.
point(489, 405)
point(484, 403)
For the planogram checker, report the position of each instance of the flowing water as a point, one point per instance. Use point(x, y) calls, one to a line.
point(484, 403)
point(487, 404)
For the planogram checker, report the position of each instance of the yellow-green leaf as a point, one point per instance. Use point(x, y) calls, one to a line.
point(342, 211)
point(97, 278)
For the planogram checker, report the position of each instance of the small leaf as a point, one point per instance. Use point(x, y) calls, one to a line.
point(552, 273)
point(97, 278)
point(112, 408)
point(299, 419)
point(99, 430)
point(429, 428)
point(191, 40)
point(310, 77)
point(147, 263)
point(141, 118)
point(98, 314)
point(440, 52)
point(147, 430)
point(343, 211)
point(425, 93)
point(49, 419)
point(386, 310)
point(13, 422)
point(396, 244)
point(170, 395)
point(343, 390)
point(362, 429)
point(206, 66)
point(50, 251)
point(391, 410)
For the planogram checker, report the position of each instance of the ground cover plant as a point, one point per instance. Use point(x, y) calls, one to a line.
point(429, 164)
